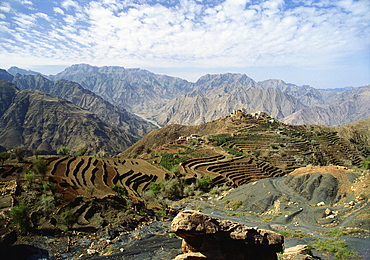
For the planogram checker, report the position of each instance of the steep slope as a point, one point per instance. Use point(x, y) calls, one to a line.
point(5, 75)
point(86, 99)
point(352, 105)
point(134, 89)
point(198, 108)
point(305, 94)
point(36, 120)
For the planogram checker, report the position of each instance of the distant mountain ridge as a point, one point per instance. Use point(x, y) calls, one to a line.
point(170, 100)
point(36, 120)
point(86, 99)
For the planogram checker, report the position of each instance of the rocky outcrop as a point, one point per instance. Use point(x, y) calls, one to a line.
point(205, 237)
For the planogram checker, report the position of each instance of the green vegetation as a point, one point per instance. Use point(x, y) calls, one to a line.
point(19, 153)
point(39, 165)
point(339, 232)
point(19, 217)
point(233, 151)
point(36, 153)
point(336, 247)
point(365, 164)
point(82, 151)
point(63, 150)
point(68, 218)
point(120, 190)
point(3, 157)
point(170, 160)
point(294, 234)
point(161, 214)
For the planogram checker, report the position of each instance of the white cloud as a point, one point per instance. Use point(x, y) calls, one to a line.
point(58, 10)
point(232, 33)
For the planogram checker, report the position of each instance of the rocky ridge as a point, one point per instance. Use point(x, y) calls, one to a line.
point(36, 120)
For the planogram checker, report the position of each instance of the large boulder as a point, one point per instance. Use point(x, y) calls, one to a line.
point(205, 237)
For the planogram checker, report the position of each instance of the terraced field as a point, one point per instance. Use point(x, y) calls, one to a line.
point(94, 177)
point(256, 151)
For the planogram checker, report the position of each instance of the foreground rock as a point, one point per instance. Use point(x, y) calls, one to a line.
point(205, 237)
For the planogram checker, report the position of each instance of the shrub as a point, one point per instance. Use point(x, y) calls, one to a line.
point(3, 157)
point(19, 153)
point(294, 234)
point(40, 165)
point(204, 184)
point(63, 150)
point(173, 188)
point(339, 232)
point(120, 190)
point(30, 178)
point(335, 246)
point(19, 217)
point(82, 151)
point(366, 164)
point(36, 152)
point(68, 218)
point(161, 214)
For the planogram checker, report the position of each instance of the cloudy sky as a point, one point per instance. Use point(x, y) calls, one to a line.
point(324, 44)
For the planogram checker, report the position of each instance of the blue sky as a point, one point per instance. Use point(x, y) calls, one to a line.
point(324, 44)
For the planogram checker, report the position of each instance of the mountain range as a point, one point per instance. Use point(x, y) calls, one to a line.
point(132, 102)
point(171, 100)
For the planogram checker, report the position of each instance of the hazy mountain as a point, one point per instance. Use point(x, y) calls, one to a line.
point(197, 108)
point(15, 70)
point(336, 89)
point(36, 120)
point(5, 75)
point(352, 105)
point(169, 100)
point(305, 94)
point(135, 89)
point(86, 99)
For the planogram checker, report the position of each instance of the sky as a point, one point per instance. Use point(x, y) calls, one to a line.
point(324, 44)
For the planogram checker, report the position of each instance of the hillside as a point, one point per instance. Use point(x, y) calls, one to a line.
point(36, 120)
point(245, 148)
point(86, 99)
point(304, 182)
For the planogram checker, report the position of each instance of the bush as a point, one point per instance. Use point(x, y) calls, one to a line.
point(120, 190)
point(63, 150)
point(19, 153)
point(335, 246)
point(3, 157)
point(204, 184)
point(161, 214)
point(339, 232)
point(30, 178)
point(68, 218)
point(173, 188)
point(40, 165)
point(82, 151)
point(19, 217)
point(366, 164)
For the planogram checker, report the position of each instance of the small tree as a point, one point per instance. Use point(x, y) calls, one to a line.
point(19, 217)
point(68, 218)
point(3, 157)
point(19, 153)
point(36, 152)
point(63, 150)
point(39, 165)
